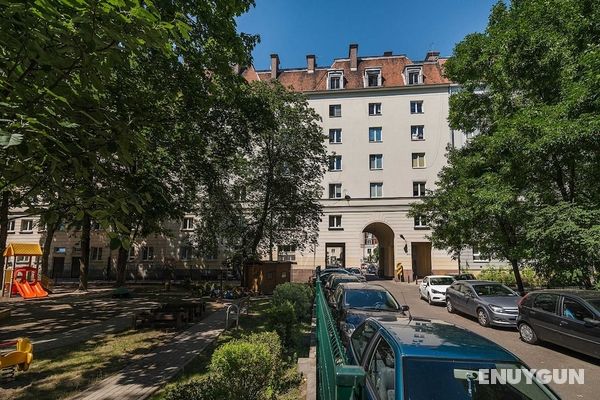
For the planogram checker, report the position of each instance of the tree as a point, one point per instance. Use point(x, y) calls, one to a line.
point(529, 87)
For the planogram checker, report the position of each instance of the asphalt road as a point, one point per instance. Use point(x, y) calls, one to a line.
point(539, 356)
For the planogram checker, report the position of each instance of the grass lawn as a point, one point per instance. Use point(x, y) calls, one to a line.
point(254, 322)
point(59, 373)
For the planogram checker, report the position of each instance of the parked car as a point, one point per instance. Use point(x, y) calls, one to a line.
point(463, 277)
point(401, 357)
point(433, 288)
point(357, 272)
point(568, 318)
point(328, 271)
point(491, 302)
point(335, 279)
point(352, 303)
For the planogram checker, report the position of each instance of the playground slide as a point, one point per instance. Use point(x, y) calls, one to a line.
point(39, 290)
point(25, 290)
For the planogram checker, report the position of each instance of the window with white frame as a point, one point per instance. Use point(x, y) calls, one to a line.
point(376, 190)
point(335, 110)
point(418, 189)
point(372, 77)
point(96, 253)
point(286, 253)
point(335, 136)
point(374, 108)
point(335, 222)
point(147, 253)
point(478, 256)
point(60, 250)
point(26, 225)
point(375, 134)
point(335, 80)
point(418, 160)
point(11, 226)
point(416, 107)
point(417, 132)
point(376, 161)
point(22, 259)
point(187, 224)
point(335, 163)
point(131, 253)
point(413, 76)
point(420, 222)
point(185, 253)
point(335, 190)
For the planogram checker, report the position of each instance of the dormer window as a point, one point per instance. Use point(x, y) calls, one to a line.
point(335, 80)
point(414, 76)
point(372, 78)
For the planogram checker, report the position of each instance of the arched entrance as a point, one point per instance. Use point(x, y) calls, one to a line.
point(385, 240)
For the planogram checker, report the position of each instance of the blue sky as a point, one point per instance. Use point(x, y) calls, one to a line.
point(295, 28)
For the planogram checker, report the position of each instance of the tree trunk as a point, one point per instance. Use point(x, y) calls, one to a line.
point(517, 272)
point(50, 229)
point(3, 226)
point(84, 263)
point(121, 265)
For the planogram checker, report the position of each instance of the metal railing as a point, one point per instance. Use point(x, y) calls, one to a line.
point(337, 380)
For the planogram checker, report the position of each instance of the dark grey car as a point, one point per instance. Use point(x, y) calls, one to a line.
point(491, 302)
point(568, 318)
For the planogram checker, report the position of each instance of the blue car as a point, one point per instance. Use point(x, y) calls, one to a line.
point(420, 359)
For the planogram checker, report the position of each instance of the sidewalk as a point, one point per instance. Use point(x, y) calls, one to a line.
point(140, 379)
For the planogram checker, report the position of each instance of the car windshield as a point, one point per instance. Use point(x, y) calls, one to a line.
point(371, 299)
point(468, 380)
point(354, 270)
point(441, 281)
point(493, 290)
point(595, 303)
point(342, 279)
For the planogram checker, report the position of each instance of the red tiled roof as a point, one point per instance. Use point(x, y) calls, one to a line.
point(392, 69)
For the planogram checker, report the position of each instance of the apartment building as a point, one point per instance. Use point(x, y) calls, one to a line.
point(385, 118)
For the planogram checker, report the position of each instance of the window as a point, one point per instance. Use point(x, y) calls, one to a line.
point(372, 77)
point(26, 225)
point(376, 190)
point(416, 107)
point(131, 254)
point(375, 135)
point(286, 253)
point(575, 310)
point(416, 132)
point(361, 338)
point(546, 302)
point(414, 76)
point(418, 189)
point(418, 160)
point(335, 190)
point(60, 250)
point(187, 224)
point(420, 222)
point(335, 222)
point(478, 257)
point(23, 259)
point(11, 226)
point(381, 371)
point(374, 108)
point(376, 161)
point(185, 253)
point(335, 81)
point(147, 253)
point(335, 136)
point(335, 163)
point(96, 253)
point(335, 110)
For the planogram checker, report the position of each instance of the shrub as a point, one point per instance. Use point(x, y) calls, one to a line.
point(299, 295)
point(247, 368)
point(203, 388)
point(507, 277)
point(282, 319)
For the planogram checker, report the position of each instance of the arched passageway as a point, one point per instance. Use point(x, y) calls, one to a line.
point(385, 239)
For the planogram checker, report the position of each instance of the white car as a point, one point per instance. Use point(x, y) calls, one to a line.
point(433, 288)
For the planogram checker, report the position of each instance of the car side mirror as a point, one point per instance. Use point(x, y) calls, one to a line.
point(592, 323)
point(405, 307)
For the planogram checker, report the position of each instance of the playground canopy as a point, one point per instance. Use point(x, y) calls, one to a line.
point(23, 249)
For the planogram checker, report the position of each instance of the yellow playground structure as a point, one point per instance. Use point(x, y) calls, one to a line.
point(18, 359)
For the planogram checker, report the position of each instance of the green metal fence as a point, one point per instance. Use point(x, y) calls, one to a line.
point(337, 380)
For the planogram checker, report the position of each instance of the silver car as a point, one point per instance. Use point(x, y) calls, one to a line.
point(491, 302)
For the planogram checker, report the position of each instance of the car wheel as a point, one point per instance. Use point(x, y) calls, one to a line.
point(527, 334)
point(482, 317)
point(449, 306)
point(429, 299)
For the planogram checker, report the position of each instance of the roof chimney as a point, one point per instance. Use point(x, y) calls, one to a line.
point(432, 56)
point(311, 63)
point(274, 66)
point(387, 53)
point(353, 57)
